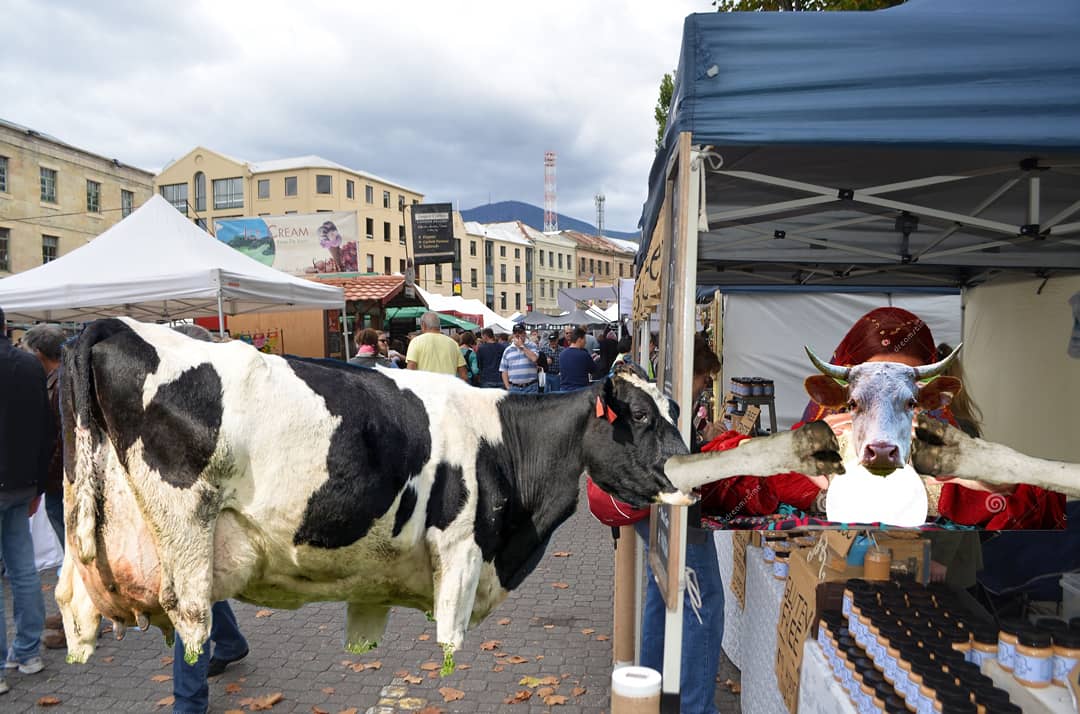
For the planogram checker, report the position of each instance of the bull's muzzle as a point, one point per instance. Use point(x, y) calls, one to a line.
point(881, 458)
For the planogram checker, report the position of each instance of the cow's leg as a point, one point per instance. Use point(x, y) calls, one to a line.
point(365, 625)
point(80, 615)
point(457, 575)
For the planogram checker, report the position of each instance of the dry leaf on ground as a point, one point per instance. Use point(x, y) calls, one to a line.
point(516, 659)
point(602, 638)
point(165, 661)
point(449, 694)
point(350, 710)
point(166, 701)
point(578, 691)
point(504, 621)
point(498, 668)
point(539, 658)
point(520, 696)
point(413, 679)
point(560, 586)
point(490, 645)
point(108, 659)
point(267, 702)
point(264, 613)
point(317, 710)
point(501, 654)
point(430, 666)
point(160, 678)
point(233, 688)
point(555, 700)
point(561, 554)
point(588, 631)
point(432, 675)
point(48, 702)
point(545, 692)
point(424, 638)
point(549, 627)
point(551, 681)
point(234, 711)
point(326, 690)
point(431, 709)
point(462, 667)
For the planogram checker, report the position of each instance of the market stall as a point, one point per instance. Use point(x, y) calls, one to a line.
point(788, 167)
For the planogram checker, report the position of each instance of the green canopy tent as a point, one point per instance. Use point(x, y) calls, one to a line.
point(414, 313)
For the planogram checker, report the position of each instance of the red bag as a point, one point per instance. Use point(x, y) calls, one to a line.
point(609, 510)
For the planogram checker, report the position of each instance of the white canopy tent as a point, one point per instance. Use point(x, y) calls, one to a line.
point(157, 265)
point(443, 303)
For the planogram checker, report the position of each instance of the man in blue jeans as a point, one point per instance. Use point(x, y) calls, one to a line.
point(27, 435)
point(191, 691)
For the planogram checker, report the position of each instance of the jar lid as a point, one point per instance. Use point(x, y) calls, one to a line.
point(883, 690)
point(1013, 627)
point(959, 708)
point(1052, 624)
point(991, 695)
point(781, 554)
point(1069, 639)
point(985, 634)
point(895, 700)
point(873, 677)
point(773, 535)
point(1034, 638)
point(863, 664)
point(1005, 708)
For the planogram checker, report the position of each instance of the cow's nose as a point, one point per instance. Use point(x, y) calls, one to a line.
point(881, 453)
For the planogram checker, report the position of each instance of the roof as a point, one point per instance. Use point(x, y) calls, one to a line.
point(367, 288)
point(588, 242)
point(60, 142)
point(509, 232)
point(625, 246)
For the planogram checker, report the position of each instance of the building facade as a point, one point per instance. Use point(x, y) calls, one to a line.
point(508, 265)
point(206, 186)
point(597, 263)
point(469, 262)
point(55, 197)
point(556, 260)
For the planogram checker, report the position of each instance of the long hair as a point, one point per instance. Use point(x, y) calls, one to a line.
point(967, 412)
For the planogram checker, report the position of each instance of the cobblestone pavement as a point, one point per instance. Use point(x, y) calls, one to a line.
point(543, 630)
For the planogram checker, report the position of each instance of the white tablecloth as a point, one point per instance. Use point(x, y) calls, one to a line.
point(819, 692)
point(1049, 700)
point(757, 637)
point(733, 614)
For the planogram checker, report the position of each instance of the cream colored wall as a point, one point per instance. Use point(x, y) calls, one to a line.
point(599, 257)
point(1017, 368)
point(301, 330)
point(213, 166)
point(552, 276)
point(68, 219)
point(510, 286)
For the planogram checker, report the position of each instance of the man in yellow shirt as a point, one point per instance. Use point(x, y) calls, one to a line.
point(433, 351)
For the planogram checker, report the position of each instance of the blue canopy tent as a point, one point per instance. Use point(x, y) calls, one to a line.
point(934, 146)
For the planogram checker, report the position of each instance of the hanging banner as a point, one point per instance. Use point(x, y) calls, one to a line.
point(433, 233)
point(295, 244)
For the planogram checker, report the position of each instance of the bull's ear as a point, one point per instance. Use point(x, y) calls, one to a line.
point(826, 391)
point(938, 392)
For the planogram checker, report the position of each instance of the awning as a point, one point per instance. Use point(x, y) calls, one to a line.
point(414, 313)
point(367, 288)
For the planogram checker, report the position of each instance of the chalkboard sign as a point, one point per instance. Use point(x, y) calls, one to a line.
point(664, 525)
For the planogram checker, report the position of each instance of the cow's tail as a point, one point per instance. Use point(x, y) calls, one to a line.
point(86, 434)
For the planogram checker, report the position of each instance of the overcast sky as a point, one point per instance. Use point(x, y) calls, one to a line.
point(458, 100)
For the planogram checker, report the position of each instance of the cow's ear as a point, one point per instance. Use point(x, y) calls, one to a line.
point(608, 406)
point(826, 391)
point(938, 392)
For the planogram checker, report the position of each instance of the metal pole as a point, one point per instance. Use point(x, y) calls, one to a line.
point(220, 312)
point(345, 326)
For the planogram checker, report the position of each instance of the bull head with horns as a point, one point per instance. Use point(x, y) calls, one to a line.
point(882, 398)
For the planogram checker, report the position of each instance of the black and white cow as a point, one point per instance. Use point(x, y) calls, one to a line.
point(199, 471)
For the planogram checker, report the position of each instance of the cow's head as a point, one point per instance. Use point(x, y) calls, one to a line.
point(630, 436)
point(882, 398)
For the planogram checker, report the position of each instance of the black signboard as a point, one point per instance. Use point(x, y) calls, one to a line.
point(433, 233)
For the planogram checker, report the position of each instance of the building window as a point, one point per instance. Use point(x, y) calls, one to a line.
point(290, 185)
point(93, 196)
point(401, 266)
point(5, 249)
point(228, 193)
point(127, 202)
point(592, 266)
point(472, 248)
point(369, 194)
point(369, 228)
point(502, 301)
point(48, 185)
point(517, 253)
point(551, 259)
point(289, 213)
point(369, 262)
point(541, 256)
point(386, 265)
point(3, 173)
point(386, 231)
point(438, 273)
point(386, 199)
point(200, 191)
point(264, 188)
point(49, 247)
point(583, 265)
point(542, 294)
point(176, 194)
point(401, 234)
point(502, 273)
point(517, 301)
point(502, 251)
point(350, 189)
point(607, 267)
point(472, 277)
point(517, 273)
point(201, 223)
point(560, 261)
point(324, 184)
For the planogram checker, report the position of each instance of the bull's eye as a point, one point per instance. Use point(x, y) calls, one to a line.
point(851, 405)
point(641, 417)
point(912, 403)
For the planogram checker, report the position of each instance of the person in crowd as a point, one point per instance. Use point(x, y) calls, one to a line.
point(396, 351)
point(576, 366)
point(45, 342)
point(488, 358)
point(27, 438)
point(468, 351)
point(504, 340)
point(518, 365)
point(701, 639)
point(592, 345)
point(552, 350)
point(367, 350)
point(567, 337)
point(609, 350)
point(626, 346)
point(191, 691)
point(432, 351)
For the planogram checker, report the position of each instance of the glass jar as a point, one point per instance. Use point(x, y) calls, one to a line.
point(1006, 653)
point(984, 645)
point(1033, 665)
point(1066, 655)
point(876, 563)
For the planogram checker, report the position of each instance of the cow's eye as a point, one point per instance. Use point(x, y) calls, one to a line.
point(641, 417)
point(912, 403)
point(851, 405)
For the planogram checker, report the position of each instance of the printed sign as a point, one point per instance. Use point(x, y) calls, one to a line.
point(665, 521)
point(433, 233)
point(296, 244)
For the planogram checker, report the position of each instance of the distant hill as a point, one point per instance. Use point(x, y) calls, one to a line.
point(533, 216)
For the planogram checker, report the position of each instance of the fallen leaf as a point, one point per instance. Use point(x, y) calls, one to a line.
point(449, 694)
point(233, 688)
point(166, 661)
point(108, 659)
point(316, 710)
point(432, 675)
point(564, 675)
point(246, 701)
point(545, 692)
point(530, 682)
point(539, 657)
point(504, 621)
point(160, 678)
point(264, 613)
point(578, 691)
point(401, 673)
point(328, 690)
point(561, 554)
point(516, 659)
point(501, 654)
point(552, 681)
point(430, 666)
point(361, 666)
point(560, 586)
point(424, 638)
point(48, 702)
point(521, 696)
point(588, 631)
point(490, 645)
point(464, 667)
point(267, 702)
point(431, 709)
point(413, 679)
point(346, 662)
point(166, 701)
point(602, 638)
point(498, 668)
point(553, 700)
point(234, 711)
point(549, 627)
point(350, 710)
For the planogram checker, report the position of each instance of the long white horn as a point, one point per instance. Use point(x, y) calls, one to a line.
point(933, 370)
point(831, 370)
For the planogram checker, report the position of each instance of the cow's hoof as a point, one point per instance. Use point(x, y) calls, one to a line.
point(78, 654)
point(817, 446)
point(448, 660)
point(192, 653)
point(361, 647)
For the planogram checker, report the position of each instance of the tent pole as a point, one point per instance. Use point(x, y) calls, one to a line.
point(220, 316)
point(345, 326)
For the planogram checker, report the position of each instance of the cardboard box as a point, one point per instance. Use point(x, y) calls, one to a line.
point(755, 538)
point(806, 596)
point(738, 566)
point(910, 554)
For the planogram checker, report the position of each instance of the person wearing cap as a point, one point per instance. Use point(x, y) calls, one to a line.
point(518, 365)
point(552, 350)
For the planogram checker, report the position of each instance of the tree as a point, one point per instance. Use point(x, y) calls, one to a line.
point(663, 107)
point(798, 5)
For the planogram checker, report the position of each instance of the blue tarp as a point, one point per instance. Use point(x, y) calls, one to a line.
point(980, 76)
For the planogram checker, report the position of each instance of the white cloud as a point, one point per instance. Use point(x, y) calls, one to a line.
point(458, 100)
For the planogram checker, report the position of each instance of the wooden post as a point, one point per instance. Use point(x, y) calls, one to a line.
point(625, 587)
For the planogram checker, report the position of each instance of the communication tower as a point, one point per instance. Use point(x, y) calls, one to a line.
point(551, 215)
point(599, 198)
